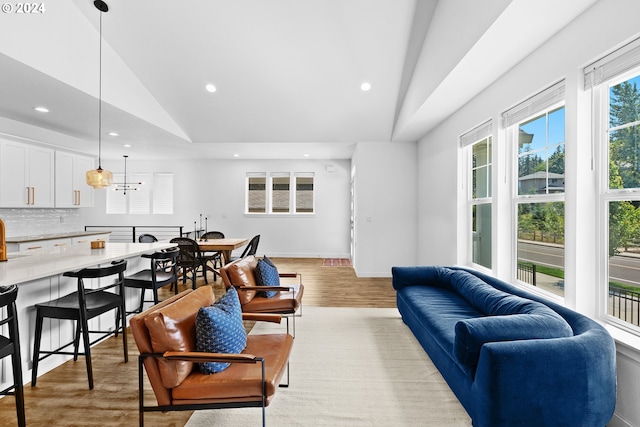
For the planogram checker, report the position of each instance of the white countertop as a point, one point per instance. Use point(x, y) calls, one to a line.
point(53, 236)
point(23, 267)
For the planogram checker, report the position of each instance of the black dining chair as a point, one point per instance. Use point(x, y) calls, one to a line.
point(190, 259)
point(81, 306)
point(215, 258)
point(147, 238)
point(163, 271)
point(250, 249)
point(10, 346)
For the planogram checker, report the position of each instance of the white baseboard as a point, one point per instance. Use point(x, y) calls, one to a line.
point(299, 255)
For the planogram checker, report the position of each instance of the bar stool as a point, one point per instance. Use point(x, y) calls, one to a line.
point(163, 271)
point(11, 346)
point(82, 305)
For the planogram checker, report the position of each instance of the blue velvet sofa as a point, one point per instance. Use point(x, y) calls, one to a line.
point(511, 358)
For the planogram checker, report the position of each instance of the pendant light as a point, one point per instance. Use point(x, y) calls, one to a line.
point(124, 186)
point(100, 178)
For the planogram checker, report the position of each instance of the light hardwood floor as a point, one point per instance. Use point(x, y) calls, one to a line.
point(62, 397)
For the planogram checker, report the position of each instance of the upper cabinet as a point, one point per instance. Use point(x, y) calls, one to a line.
point(26, 175)
point(72, 190)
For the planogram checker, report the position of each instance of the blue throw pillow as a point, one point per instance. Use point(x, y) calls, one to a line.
point(219, 329)
point(267, 275)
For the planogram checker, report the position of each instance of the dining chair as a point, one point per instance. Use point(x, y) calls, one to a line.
point(10, 346)
point(215, 258)
point(250, 249)
point(162, 271)
point(81, 306)
point(147, 238)
point(190, 259)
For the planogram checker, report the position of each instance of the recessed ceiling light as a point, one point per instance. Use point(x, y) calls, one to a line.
point(114, 134)
point(41, 109)
point(210, 87)
point(127, 145)
point(306, 155)
point(365, 86)
point(236, 155)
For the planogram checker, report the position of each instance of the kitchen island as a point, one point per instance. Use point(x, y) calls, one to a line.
point(44, 241)
point(39, 278)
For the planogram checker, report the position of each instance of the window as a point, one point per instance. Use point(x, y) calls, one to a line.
point(621, 197)
point(478, 142)
point(280, 194)
point(614, 81)
point(154, 195)
point(276, 196)
point(257, 193)
point(304, 193)
point(163, 193)
point(537, 134)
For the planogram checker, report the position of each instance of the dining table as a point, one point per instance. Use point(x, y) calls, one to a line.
point(225, 246)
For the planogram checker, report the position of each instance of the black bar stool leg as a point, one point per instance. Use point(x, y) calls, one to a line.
point(16, 361)
point(87, 348)
point(76, 342)
point(36, 349)
point(142, 300)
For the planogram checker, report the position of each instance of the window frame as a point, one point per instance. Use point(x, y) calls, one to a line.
point(468, 141)
point(269, 193)
point(548, 100)
point(149, 182)
point(600, 116)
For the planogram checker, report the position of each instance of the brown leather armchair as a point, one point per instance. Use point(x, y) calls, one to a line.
point(287, 301)
point(166, 338)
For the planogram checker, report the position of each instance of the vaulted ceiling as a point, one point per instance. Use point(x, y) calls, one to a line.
point(287, 73)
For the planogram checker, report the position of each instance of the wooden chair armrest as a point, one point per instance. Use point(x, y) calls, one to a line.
point(264, 288)
point(289, 274)
point(262, 317)
point(202, 357)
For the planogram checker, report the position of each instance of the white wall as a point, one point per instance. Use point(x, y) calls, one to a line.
point(216, 189)
point(386, 207)
point(607, 25)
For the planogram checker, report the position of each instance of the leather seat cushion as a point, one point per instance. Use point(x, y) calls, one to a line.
point(240, 380)
point(282, 301)
point(172, 328)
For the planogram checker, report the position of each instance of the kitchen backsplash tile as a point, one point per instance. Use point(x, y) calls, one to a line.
point(34, 222)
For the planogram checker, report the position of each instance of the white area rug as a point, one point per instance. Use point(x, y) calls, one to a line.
point(352, 367)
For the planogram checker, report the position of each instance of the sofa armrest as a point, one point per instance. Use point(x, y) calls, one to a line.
point(569, 380)
point(420, 276)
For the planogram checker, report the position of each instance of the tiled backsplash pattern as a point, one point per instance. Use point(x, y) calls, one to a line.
point(34, 222)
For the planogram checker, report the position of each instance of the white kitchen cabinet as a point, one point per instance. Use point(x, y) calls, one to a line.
point(72, 190)
point(26, 175)
point(38, 245)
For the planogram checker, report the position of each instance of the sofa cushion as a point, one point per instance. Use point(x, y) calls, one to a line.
point(219, 329)
point(172, 328)
point(471, 334)
point(242, 273)
point(267, 275)
point(507, 318)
